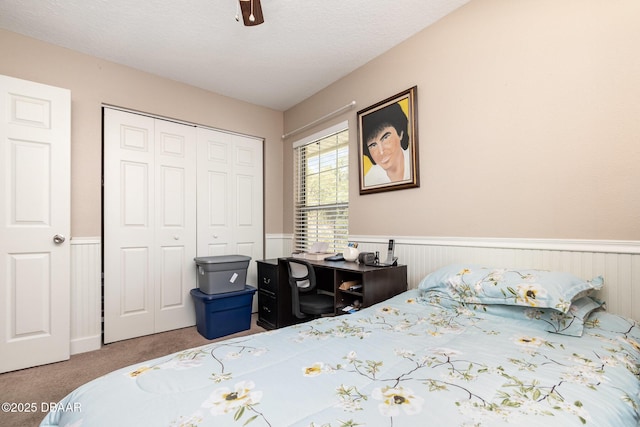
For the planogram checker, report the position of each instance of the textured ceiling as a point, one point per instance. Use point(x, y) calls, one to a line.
point(303, 46)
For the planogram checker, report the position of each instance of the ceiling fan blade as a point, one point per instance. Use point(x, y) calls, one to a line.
point(249, 7)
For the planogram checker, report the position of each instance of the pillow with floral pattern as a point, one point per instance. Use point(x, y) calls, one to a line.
point(509, 286)
point(571, 323)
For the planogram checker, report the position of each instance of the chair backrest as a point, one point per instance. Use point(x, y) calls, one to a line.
point(301, 275)
point(302, 279)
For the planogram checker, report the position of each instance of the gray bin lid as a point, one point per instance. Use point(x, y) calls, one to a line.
point(221, 259)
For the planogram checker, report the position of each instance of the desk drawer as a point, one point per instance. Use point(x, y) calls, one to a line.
point(268, 278)
point(267, 308)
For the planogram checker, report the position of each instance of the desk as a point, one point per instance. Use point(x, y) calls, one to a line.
point(274, 294)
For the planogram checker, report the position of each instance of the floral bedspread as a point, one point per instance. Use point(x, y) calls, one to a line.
point(398, 363)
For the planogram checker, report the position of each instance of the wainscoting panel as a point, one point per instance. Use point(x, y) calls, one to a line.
point(278, 245)
point(617, 261)
point(86, 295)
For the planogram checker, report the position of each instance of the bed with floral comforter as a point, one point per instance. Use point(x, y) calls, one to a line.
point(434, 356)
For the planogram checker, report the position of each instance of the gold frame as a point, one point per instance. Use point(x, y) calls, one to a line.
point(368, 122)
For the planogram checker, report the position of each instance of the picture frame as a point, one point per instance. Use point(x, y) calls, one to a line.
point(388, 144)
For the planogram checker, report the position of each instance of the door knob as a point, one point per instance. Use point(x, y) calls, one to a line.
point(58, 239)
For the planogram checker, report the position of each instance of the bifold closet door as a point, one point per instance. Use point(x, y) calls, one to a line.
point(149, 225)
point(230, 196)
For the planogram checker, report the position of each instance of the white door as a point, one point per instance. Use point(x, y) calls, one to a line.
point(175, 230)
point(149, 225)
point(230, 196)
point(34, 224)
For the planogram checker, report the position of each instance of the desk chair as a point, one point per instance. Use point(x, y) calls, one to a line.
point(305, 299)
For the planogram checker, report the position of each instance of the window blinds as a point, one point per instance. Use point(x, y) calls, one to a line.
point(321, 191)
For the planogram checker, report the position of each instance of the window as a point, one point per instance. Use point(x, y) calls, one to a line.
point(321, 190)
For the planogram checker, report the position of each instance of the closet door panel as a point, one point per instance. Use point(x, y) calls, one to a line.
point(215, 198)
point(150, 225)
point(172, 197)
point(134, 282)
point(218, 200)
point(248, 169)
point(245, 186)
point(129, 225)
point(248, 204)
point(134, 264)
point(231, 205)
point(134, 202)
point(172, 271)
point(175, 231)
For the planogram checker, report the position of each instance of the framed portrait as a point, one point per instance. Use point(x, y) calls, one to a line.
point(388, 144)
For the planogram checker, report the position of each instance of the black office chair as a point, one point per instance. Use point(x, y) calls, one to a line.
point(305, 299)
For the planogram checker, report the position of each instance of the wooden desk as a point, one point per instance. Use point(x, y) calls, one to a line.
point(274, 294)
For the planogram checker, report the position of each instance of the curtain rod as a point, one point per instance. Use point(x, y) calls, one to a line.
point(321, 119)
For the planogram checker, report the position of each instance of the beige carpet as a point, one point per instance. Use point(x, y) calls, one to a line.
point(50, 383)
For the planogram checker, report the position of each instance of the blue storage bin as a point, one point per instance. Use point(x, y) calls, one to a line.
point(218, 315)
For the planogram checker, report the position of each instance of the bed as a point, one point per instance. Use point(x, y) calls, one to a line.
point(469, 347)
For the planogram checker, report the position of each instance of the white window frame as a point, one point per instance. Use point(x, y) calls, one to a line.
point(306, 232)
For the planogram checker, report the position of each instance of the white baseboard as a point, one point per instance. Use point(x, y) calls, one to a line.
point(85, 344)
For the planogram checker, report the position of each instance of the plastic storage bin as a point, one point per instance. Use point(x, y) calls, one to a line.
point(223, 314)
point(220, 274)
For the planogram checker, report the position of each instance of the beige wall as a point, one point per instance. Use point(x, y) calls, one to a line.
point(529, 123)
point(93, 81)
point(528, 116)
